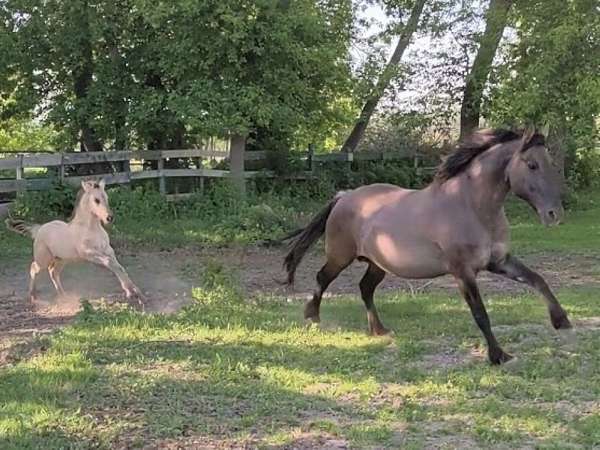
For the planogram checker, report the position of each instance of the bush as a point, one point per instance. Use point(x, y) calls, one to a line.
point(219, 215)
point(57, 202)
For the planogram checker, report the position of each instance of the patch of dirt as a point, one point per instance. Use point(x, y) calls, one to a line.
point(303, 441)
point(17, 349)
point(309, 441)
point(445, 359)
point(166, 277)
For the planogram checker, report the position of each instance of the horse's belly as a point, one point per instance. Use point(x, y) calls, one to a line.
point(59, 239)
point(406, 258)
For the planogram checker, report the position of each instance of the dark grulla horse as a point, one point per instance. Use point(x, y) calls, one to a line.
point(455, 226)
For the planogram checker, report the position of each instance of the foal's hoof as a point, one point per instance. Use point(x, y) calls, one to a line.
point(137, 299)
point(561, 322)
point(498, 357)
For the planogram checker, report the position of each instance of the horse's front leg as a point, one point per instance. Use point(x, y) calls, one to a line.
point(514, 269)
point(109, 261)
point(468, 287)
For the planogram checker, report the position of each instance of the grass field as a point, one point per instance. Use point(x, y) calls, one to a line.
point(227, 373)
point(230, 371)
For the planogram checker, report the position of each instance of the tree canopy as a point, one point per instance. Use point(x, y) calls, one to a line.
point(100, 74)
point(134, 72)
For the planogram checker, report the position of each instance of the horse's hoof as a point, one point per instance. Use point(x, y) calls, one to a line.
point(381, 332)
point(312, 322)
point(312, 319)
point(498, 357)
point(561, 322)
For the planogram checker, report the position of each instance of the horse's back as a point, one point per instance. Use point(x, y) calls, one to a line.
point(57, 238)
point(386, 224)
point(49, 229)
point(349, 214)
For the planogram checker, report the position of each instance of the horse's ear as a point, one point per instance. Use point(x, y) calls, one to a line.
point(527, 135)
point(102, 183)
point(85, 185)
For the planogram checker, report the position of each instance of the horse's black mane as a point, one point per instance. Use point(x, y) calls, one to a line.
point(475, 144)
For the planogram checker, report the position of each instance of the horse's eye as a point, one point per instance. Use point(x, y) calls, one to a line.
point(532, 165)
point(97, 201)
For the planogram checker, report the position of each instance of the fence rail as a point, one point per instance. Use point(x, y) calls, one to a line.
point(160, 171)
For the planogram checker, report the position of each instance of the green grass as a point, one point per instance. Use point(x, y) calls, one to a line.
point(233, 371)
point(578, 233)
point(230, 371)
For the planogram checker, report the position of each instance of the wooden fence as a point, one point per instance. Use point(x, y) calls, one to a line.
point(132, 166)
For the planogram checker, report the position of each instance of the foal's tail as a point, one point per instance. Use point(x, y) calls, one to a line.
point(306, 237)
point(22, 228)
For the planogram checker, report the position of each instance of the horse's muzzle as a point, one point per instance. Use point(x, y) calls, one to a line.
point(551, 216)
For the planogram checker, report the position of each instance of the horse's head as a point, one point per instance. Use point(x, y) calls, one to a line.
point(533, 178)
point(97, 200)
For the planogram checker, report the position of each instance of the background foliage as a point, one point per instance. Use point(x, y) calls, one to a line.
point(100, 75)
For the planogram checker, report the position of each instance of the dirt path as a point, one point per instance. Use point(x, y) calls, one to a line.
point(168, 277)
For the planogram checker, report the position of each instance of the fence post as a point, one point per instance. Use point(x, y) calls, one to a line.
point(236, 159)
point(162, 186)
point(61, 169)
point(19, 172)
point(309, 156)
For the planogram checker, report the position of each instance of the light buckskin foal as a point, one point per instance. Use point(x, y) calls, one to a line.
point(456, 226)
point(83, 238)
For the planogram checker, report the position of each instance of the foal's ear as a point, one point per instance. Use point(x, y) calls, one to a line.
point(102, 183)
point(527, 135)
point(86, 185)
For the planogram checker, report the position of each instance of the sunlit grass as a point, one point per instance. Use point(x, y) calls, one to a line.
point(228, 371)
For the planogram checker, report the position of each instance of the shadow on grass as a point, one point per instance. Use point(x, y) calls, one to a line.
point(238, 373)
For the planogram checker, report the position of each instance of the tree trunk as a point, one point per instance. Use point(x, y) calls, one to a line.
point(361, 124)
point(236, 160)
point(82, 79)
point(495, 22)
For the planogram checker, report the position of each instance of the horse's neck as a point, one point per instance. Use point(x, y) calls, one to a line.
point(487, 181)
point(84, 217)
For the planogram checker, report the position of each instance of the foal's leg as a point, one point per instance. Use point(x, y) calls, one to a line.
point(41, 260)
point(34, 269)
point(468, 287)
point(372, 277)
point(514, 269)
point(326, 275)
point(55, 269)
point(110, 262)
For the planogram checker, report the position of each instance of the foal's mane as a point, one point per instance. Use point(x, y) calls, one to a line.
point(477, 143)
point(78, 198)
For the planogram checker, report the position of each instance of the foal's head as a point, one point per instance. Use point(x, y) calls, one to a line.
point(533, 178)
point(95, 200)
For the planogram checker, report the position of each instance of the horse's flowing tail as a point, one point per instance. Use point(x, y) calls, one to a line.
point(306, 237)
point(22, 228)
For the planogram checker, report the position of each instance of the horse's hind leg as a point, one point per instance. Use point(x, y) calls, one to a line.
point(33, 272)
point(371, 279)
point(55, 269)
point(326, 275)
point(41, 260)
